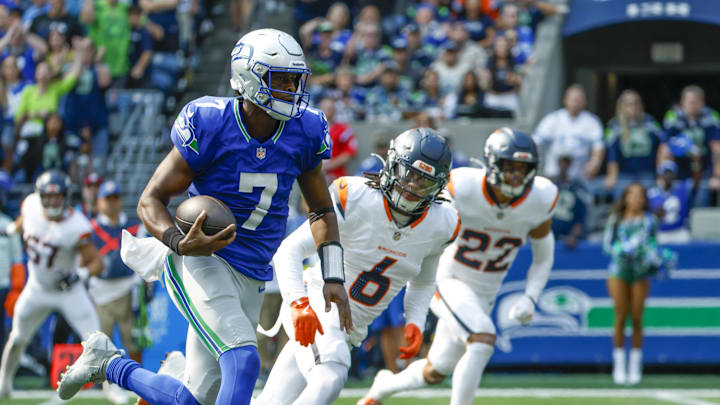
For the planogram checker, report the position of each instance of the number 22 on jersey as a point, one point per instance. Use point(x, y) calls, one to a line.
point(484, 241)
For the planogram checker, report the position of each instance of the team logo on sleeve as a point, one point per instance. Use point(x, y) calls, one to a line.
point(186, 130)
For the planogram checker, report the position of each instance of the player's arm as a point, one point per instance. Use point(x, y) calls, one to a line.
point(90, 258)
point(15, 227)
point(324, 227)
point(418, 294)
point(172, 177)
point(542, 244)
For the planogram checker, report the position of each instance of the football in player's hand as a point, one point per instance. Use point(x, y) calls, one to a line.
point(218, 214)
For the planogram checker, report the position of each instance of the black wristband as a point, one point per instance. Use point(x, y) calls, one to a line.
point(317, 214)
point(171, 238)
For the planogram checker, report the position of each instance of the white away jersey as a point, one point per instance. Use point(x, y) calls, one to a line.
point(490, 236)
point(380, 257)
point(52, 245)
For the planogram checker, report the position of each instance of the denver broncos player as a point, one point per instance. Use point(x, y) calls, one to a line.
point(393, 230)
point(246, 151)
point(55, 235)
point(500, 207)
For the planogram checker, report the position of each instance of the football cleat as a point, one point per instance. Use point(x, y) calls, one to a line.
point(368, 401)
point(98, 350)
point(173, 366)
point(369, 398)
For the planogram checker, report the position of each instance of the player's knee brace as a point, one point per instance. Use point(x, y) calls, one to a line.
point(240, 368)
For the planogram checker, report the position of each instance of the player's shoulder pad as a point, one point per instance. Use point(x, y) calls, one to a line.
point(463, 180)
point(79, 223)
point(448, 221)
point(346, 189)
point(29, 204)
point(316, 127)
point(546, 192)
point(200, 117)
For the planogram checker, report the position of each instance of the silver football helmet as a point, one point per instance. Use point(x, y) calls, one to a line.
point(255, 58)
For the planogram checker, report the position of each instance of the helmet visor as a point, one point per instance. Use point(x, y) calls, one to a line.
point(417, 184)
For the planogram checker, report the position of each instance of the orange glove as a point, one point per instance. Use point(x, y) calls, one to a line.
point(414, 339)
point(17, 282)
point(305, 321)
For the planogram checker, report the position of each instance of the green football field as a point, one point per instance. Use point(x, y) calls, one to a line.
point(502, 389)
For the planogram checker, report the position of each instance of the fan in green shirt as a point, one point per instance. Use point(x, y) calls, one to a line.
point(41, 99)
point(110, 32)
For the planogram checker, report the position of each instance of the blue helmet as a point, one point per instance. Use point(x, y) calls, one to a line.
point(510, 145)
point(416, 170)
point(53, 182)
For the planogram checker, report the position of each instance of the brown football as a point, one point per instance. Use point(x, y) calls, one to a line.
point(218, 216)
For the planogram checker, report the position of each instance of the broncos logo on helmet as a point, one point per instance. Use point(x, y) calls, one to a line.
point(512, 160)
point(53, 187)
point(416, 170)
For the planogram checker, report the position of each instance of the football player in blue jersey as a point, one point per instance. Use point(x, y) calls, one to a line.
point(246, 151)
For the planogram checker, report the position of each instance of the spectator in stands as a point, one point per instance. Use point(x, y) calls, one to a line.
point(670, 200)
point(53, 149)
point(112, 290)
point(388, 102)
point(339, 17)
point(349, 99)
point(419, 53)
point(450, 69)
point(12, 269)
point(381, 143)
point(430, 98)
point(81, 165)
point(500, 81)
point(572, 204)
point(694, 121)
point(59, 54)
point(631, 241)
point(344, 145)
point(322, 58)
point(85, 107)
point(57, 17)
point(431, 31)
point(28, 50)
point(141, 49)
point(38, 101)
point(89, 194)
point(469, 53)
point(110, 32)
point(11, 86)
point(533, 12)
point(364, 52)
point(632, 139)
point(508, 21)
point(479, 26)
point(163, 14)
point(572, 128)
point(36, 9)
point(470, 100)
point(410, 71)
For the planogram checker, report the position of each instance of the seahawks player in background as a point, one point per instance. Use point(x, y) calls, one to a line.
point(246, 151)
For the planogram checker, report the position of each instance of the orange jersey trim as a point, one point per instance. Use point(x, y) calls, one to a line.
point(451, 187)
point(554, 202)
point(457, 229)
point(387, 209)
point(342, 188)
point(522, 198)
point(485, 192)
point(417, 221)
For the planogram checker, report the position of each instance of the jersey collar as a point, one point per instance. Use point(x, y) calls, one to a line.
point(413, 224)
point(241, 125)
point(490, 197)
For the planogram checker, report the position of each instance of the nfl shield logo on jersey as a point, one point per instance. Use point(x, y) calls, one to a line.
point(260, 153)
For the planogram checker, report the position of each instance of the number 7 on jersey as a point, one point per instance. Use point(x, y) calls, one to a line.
point(269, 183)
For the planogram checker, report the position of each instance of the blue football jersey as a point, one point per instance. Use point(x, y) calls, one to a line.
point(252, 178)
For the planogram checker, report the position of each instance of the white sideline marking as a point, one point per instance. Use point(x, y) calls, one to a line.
point(670, 397)
point(680, 396)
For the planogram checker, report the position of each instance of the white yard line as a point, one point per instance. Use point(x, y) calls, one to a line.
point(680, 396)
point(678, 399)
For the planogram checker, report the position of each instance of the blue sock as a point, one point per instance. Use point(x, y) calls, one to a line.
point(156, 389)
point(240, 368)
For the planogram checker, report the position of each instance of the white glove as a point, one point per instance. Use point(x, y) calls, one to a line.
point(522, 310)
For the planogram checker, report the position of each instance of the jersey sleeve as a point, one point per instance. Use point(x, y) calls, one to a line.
point(320, 145)
point(193, 138)
point(82, 228)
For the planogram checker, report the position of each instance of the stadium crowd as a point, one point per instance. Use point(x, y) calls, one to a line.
point(60, 58)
